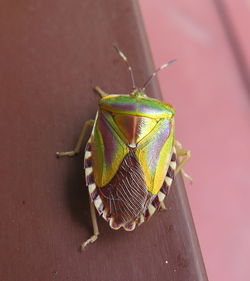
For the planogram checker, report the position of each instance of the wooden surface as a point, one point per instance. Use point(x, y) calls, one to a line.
point(52, 54)
point(210, 90)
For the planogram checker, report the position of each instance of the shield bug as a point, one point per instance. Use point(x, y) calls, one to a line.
point(131, 156)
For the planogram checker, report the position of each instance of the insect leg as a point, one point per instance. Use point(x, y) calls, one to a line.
point(163, 206)
point(94, 237)
point(177, 144)
point(183, 156)
point(100, 92)
point(78, 146)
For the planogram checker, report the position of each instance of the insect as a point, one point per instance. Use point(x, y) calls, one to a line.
point(131, 156)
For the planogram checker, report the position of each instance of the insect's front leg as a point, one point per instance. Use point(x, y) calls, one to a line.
point(78, 146)
point(100, 92)
point(94, 237)
point(183, 156)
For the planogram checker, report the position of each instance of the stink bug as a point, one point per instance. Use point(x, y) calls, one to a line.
point(131, 156)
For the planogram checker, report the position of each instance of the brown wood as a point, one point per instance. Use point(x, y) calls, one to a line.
point(52, 54)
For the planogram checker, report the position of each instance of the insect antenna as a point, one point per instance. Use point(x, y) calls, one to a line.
point(154, 73)
point(126, 61)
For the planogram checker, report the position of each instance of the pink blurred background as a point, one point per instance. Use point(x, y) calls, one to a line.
point(209, 87)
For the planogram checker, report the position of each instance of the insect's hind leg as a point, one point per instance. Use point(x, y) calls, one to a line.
point(163, 206)
point(183, 156)
point(100, 92)
point(94, 237)
point(78, 145)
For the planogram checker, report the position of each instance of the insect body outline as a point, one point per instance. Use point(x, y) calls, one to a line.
point(130, 158)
